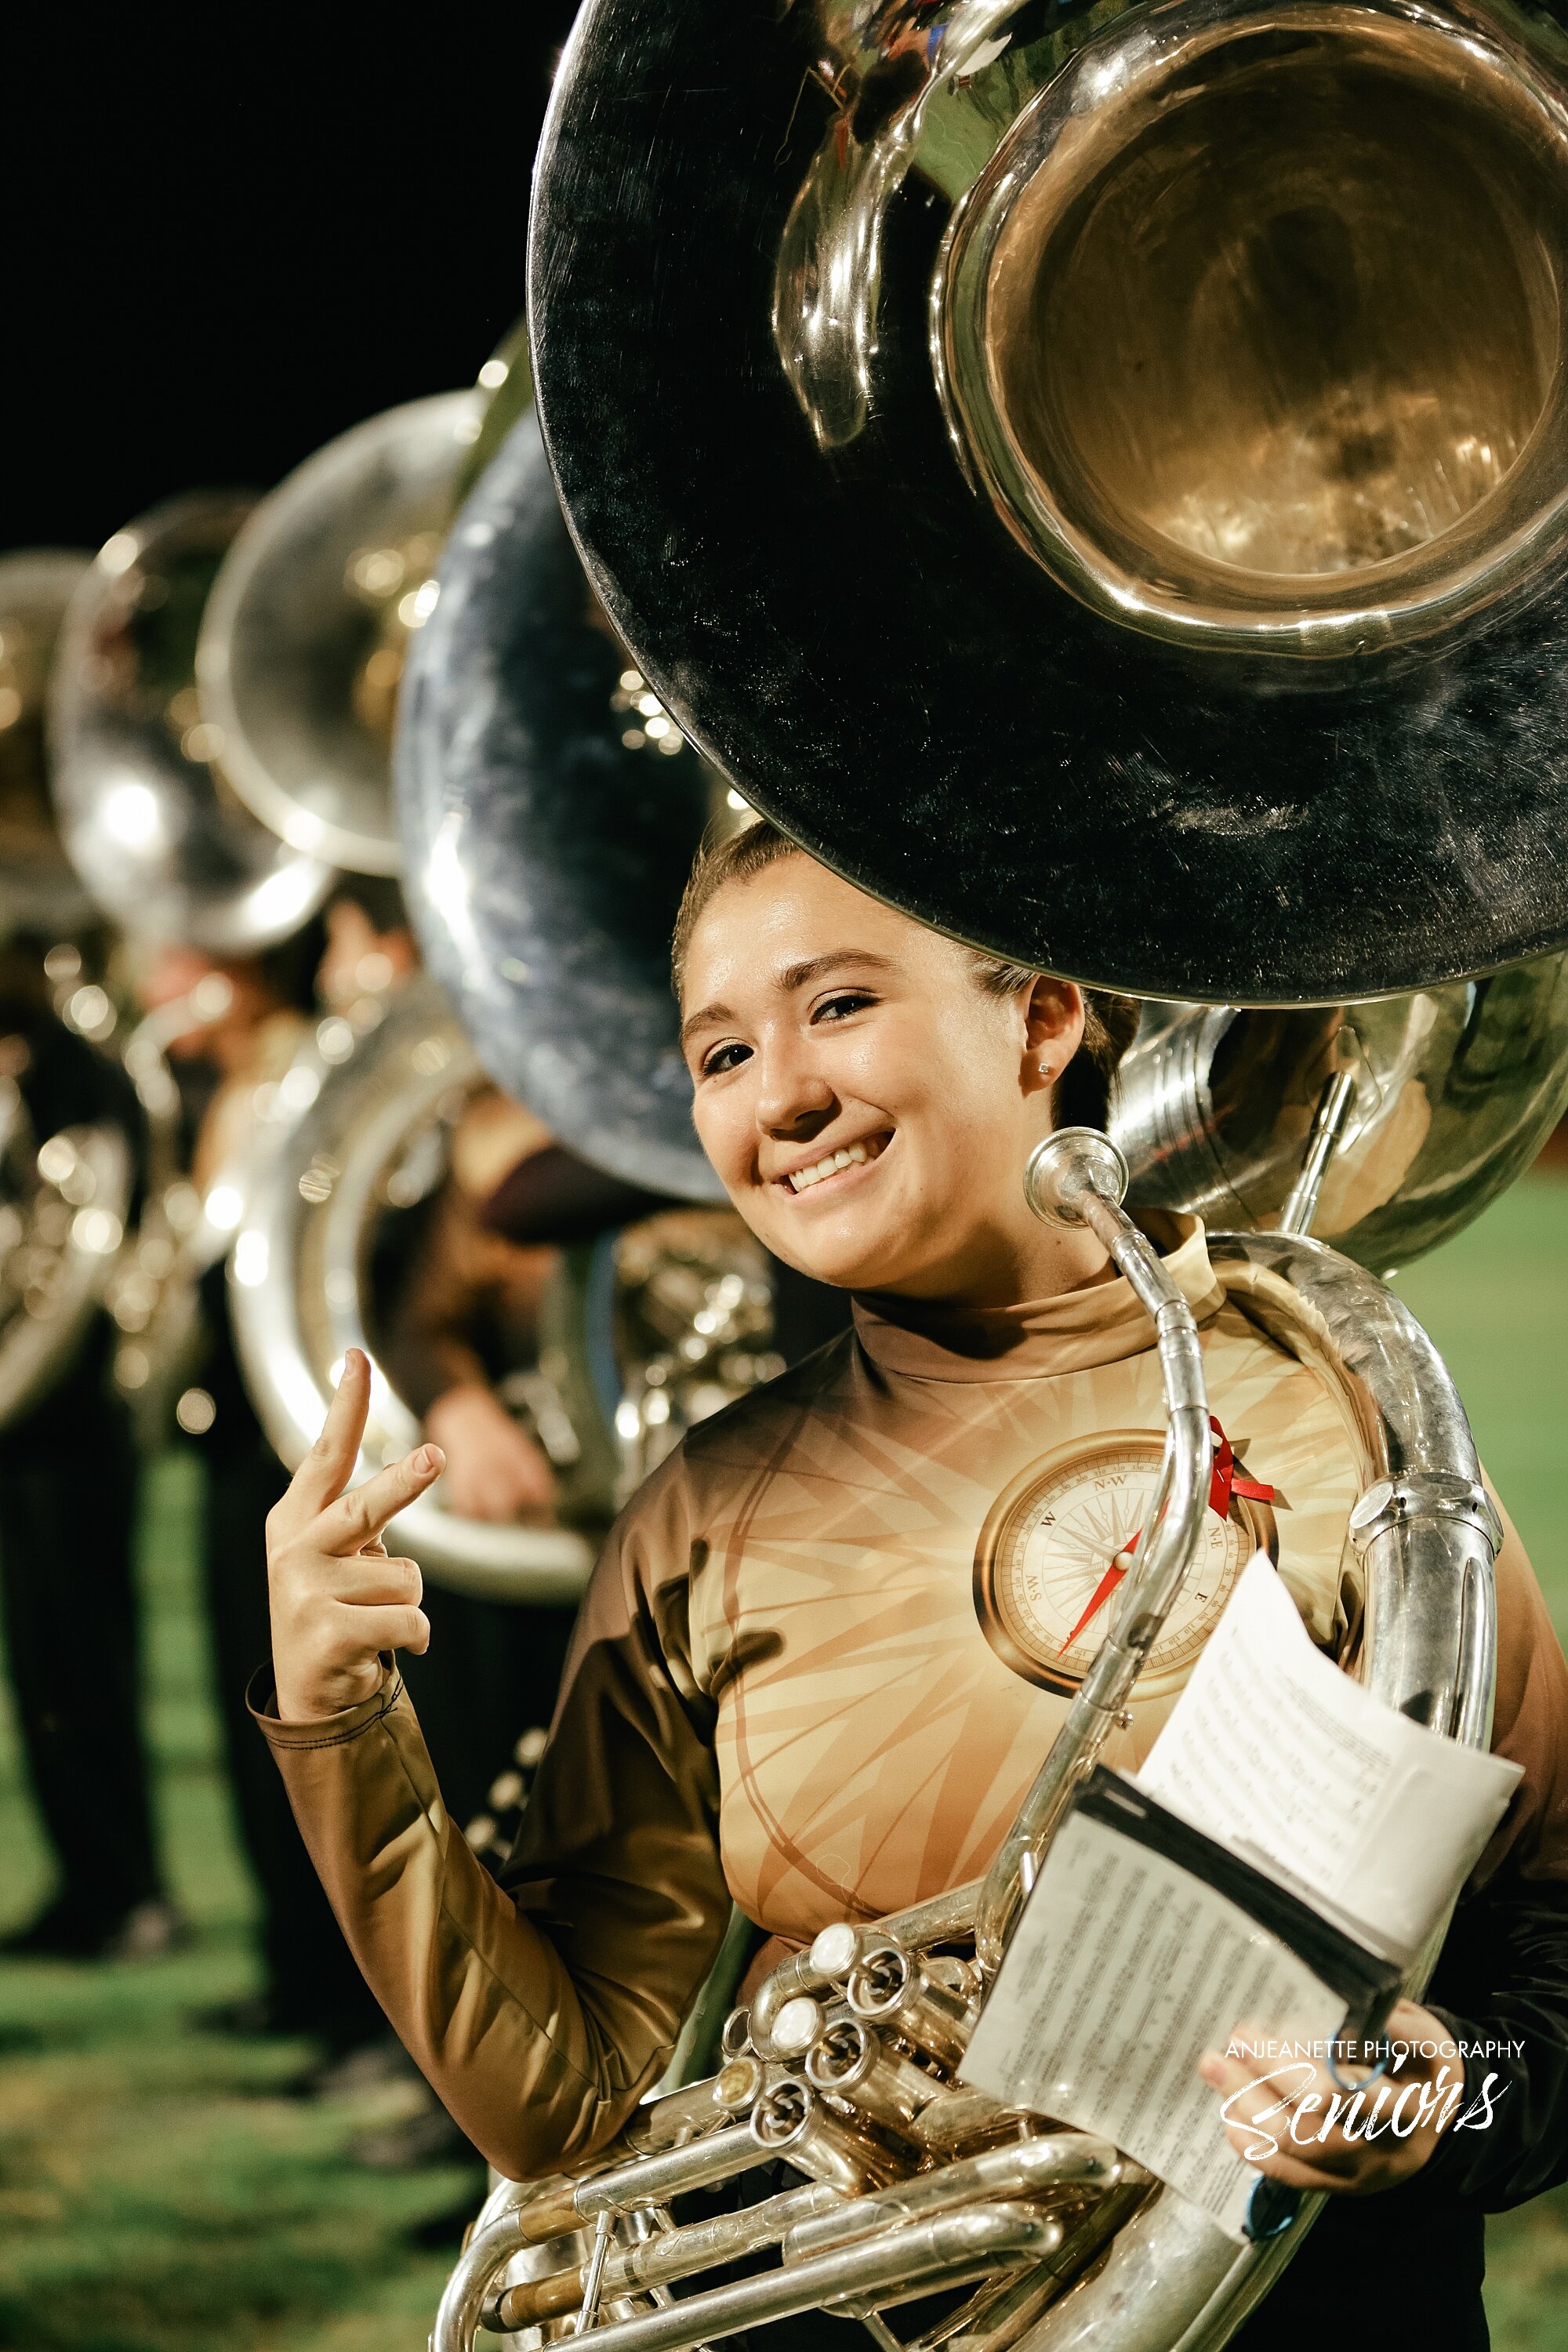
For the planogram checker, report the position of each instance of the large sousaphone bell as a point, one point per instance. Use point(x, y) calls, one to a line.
point(140, 782)
point(1102, 486)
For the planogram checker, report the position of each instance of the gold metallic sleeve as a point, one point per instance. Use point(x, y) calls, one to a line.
point(542, 2009)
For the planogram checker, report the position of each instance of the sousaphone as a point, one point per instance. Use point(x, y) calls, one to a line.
point(140, 777)
point(1099, 482)
point(1097, 479)
point(68, 1147)
point(304, 640)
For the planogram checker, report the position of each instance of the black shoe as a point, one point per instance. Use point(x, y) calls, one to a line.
point(429, 2137)
point(252, 2018)
point(63, 1930)
point(149, 1931)
point(363, 2066)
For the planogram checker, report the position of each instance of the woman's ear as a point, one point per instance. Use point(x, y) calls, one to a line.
point(1053, 1029)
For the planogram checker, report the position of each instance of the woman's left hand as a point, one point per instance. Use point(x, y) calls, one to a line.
point(1288, 2119)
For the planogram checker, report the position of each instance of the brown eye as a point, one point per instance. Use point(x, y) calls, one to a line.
point(723, 1058)
point(839, 1007)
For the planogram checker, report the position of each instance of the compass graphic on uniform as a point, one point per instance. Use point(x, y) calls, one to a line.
point(1057, 1544)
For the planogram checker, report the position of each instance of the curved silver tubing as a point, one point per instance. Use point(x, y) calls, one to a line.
point(290, 1332)
point(913, 2258)
point(1426, 1533)
point(1077, 1177)
point(1425, 1527)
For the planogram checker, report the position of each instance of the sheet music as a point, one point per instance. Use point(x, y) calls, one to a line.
point(1272, 1751)
point(1123, 1970)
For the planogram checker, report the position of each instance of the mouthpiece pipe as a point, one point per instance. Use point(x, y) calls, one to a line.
point(1327, 1124)
point(1077, 1177)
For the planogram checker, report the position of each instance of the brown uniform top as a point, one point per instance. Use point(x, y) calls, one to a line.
point(779, 1690)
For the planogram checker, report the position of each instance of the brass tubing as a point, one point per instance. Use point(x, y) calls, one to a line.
point(655, 2179)
point(940, 1919)
point(890, 1987)
point(949, 2250)
point(1000, 2315)
point(649, 2180)
point(1077, 1177)
point(668, 2122)
point(1024, 2168)
point(551, 2216)
point(792, 2121)
point(1328, 1123)
point(674, 2254)
point(959, 2113)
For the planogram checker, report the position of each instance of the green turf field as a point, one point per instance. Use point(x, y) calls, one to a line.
point(162, 2191)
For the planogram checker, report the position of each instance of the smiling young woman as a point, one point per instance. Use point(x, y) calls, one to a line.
point(869, 1090)
point(833, 1636)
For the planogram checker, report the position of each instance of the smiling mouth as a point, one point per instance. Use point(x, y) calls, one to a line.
point(834, 1163)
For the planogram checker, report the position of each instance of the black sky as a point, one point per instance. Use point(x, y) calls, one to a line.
point(225, 242)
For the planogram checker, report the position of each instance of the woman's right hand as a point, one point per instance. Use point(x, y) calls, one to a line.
point(338, 1599)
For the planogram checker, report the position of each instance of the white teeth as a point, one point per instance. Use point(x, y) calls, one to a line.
point(804, 1178)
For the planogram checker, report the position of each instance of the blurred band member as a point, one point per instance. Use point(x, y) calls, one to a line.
point(68, 1515)
point(311, 1985)
point(459, 1310)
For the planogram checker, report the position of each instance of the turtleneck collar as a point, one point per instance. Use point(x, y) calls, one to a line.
point(1073, 1332)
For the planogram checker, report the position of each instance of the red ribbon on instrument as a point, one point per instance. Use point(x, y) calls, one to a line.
point(1226, 1480)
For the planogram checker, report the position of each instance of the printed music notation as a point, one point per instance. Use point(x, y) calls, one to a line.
point(1285, 1851)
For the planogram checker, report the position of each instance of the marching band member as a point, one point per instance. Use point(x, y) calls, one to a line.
point(457, 1309)
point(68, 1489)
point(310, 1986)
point(780, 1688)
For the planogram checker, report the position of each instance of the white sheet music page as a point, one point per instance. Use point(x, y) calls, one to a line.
point(1123, 1970)
point(1271, 1750)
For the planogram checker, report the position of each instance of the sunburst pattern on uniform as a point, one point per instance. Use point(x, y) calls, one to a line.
point(872, 1746)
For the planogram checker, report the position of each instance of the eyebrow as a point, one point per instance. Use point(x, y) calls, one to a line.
point(795, 976)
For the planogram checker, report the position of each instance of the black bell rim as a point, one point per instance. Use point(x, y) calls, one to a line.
point(543, 857)
point(856, 641)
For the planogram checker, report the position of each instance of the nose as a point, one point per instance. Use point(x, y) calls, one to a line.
point(795, 1100)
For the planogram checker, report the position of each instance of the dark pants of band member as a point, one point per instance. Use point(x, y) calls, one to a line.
point(68, 1510)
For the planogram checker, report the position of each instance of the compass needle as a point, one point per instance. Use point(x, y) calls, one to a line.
point(1055, 1549)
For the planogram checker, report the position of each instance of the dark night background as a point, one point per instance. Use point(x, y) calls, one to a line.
point(224, 243)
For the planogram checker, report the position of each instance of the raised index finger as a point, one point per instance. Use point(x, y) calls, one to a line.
point(330, 1464)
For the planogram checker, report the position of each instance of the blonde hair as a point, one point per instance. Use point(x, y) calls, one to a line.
point(1081, 1095)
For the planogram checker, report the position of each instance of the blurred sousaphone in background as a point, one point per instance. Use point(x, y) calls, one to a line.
point(586, 826)
point(68, 1144)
